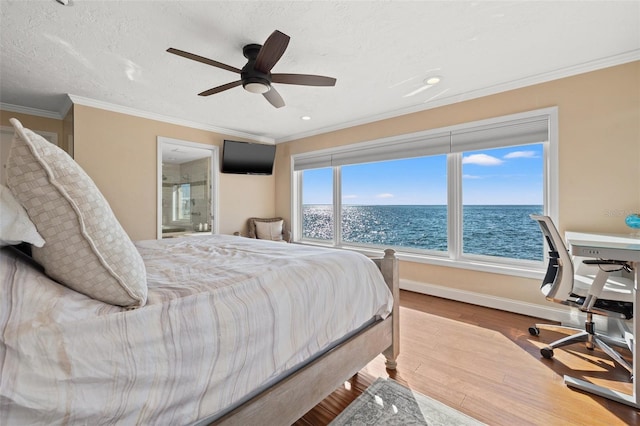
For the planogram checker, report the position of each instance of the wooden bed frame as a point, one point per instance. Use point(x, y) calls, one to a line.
point(289, 399)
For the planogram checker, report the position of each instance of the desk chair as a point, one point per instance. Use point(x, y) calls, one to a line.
point(590, 288)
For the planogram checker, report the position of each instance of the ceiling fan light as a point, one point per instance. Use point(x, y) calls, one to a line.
point(256, 87)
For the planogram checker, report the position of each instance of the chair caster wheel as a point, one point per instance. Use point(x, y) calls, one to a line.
point(546, 353)
point(534, 331)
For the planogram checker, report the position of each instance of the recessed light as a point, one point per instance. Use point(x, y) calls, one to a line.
point(305, 118)
point(433, 80)
point(427, 83)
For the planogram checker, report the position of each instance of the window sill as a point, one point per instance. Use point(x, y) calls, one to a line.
point(515, 269)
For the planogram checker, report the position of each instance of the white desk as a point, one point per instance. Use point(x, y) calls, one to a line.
point(618, 247)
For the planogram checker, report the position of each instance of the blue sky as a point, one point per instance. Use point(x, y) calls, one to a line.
point(512, 175)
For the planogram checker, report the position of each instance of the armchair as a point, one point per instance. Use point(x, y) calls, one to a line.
point(274, 229)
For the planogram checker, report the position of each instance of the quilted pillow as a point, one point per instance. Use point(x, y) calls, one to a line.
point(86, 248)
point(269, 230)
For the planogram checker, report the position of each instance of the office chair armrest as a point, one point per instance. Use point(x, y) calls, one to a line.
point(595, 290)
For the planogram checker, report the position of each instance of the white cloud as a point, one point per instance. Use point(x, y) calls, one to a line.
point(349, 197)
point(482, 160)
point(521, 154)
point(385, 195)
point(471, 177)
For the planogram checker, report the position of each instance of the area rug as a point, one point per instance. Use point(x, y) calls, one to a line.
point(387, 402)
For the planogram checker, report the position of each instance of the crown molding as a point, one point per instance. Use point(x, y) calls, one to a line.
point(31, 111)
point(165, 119)
point(66, 107)
point(607, 62)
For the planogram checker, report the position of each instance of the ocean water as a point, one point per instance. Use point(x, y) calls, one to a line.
point(502, 230)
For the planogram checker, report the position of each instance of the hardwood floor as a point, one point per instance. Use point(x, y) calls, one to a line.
point(484, 363)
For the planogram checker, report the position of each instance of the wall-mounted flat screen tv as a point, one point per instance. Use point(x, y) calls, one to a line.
point(247, 158)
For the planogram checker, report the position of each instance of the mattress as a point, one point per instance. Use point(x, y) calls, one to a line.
point(225, 316)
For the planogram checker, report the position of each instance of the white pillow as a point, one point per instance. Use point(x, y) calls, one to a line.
point(15, 225)
point(86, 248)
point(269, 230)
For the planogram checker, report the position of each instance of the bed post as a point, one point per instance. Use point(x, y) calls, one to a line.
point(389, 267)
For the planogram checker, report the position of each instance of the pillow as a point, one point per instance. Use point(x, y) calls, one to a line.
point(15, 225)
point(269, 230)
point(86, 248)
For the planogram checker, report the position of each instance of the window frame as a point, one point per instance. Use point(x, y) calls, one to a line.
point(453, 257)
point(179, 215)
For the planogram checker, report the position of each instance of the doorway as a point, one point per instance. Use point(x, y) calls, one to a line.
point(187, 188)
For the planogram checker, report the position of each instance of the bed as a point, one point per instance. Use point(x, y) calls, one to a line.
point(228, 320)
point(96, 329)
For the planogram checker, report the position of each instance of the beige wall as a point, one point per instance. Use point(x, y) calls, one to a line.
point(118, 151)
point(67, 132)
point(599, 167)
point(34, 123)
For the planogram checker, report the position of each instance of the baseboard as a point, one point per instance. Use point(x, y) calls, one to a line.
point(539, 311)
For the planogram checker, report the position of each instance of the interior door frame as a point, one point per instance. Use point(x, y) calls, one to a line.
point(214, 171)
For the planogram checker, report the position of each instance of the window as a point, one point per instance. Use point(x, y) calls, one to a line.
point(182, 202)
point(460, 195)
point(501, 187)
point(317, 204)
point(400, 203)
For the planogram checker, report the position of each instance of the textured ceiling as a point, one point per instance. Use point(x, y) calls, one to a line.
point(114, 52)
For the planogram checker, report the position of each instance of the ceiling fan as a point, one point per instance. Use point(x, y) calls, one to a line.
point(256, 75)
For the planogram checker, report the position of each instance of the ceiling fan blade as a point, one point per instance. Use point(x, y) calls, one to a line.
point(303, 79)
point(220, 88)
point(203, 60)
point(274, 98)
point(271, 51)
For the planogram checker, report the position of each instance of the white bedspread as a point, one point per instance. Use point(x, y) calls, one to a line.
point(224, 316)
